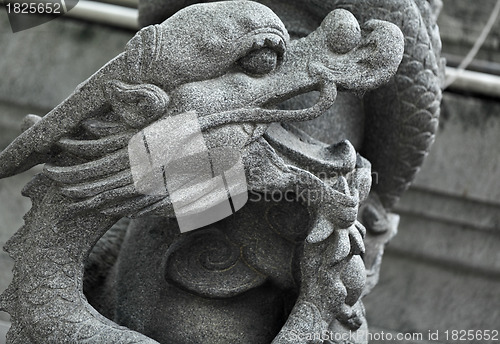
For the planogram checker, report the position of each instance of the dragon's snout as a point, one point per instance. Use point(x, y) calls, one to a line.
point(338, 54)
point(353, 58)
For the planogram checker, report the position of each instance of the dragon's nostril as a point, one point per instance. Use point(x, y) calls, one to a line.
point(342, 31)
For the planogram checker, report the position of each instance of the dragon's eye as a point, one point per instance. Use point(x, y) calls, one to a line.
point(259, 62)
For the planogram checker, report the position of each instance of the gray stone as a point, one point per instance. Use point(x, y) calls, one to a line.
point(465, 161)
point(403, 114)
point(269, 271)
point(12, 209)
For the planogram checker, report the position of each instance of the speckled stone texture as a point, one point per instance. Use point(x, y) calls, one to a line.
point(275, 271)
point(393, 126)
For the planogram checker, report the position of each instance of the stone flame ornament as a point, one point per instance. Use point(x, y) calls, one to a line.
point(273, 271)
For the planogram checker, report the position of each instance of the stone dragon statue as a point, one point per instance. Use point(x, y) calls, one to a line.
point(242, 280)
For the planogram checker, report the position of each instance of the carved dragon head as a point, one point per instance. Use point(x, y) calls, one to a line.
point(231, 63)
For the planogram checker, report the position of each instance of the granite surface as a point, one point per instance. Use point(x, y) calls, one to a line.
point(454, 215)
point(232, 75)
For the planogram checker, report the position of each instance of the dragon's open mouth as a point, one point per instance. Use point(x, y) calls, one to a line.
point(333, 165)
point(264, 114)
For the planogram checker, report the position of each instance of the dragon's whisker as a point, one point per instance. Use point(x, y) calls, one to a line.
point(112, 163)
point(95, 187)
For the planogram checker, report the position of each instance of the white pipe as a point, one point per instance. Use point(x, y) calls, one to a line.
point(99, 12)
point(464, 80)
point(126, 3)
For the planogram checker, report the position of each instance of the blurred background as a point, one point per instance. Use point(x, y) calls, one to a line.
point(441, 272)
